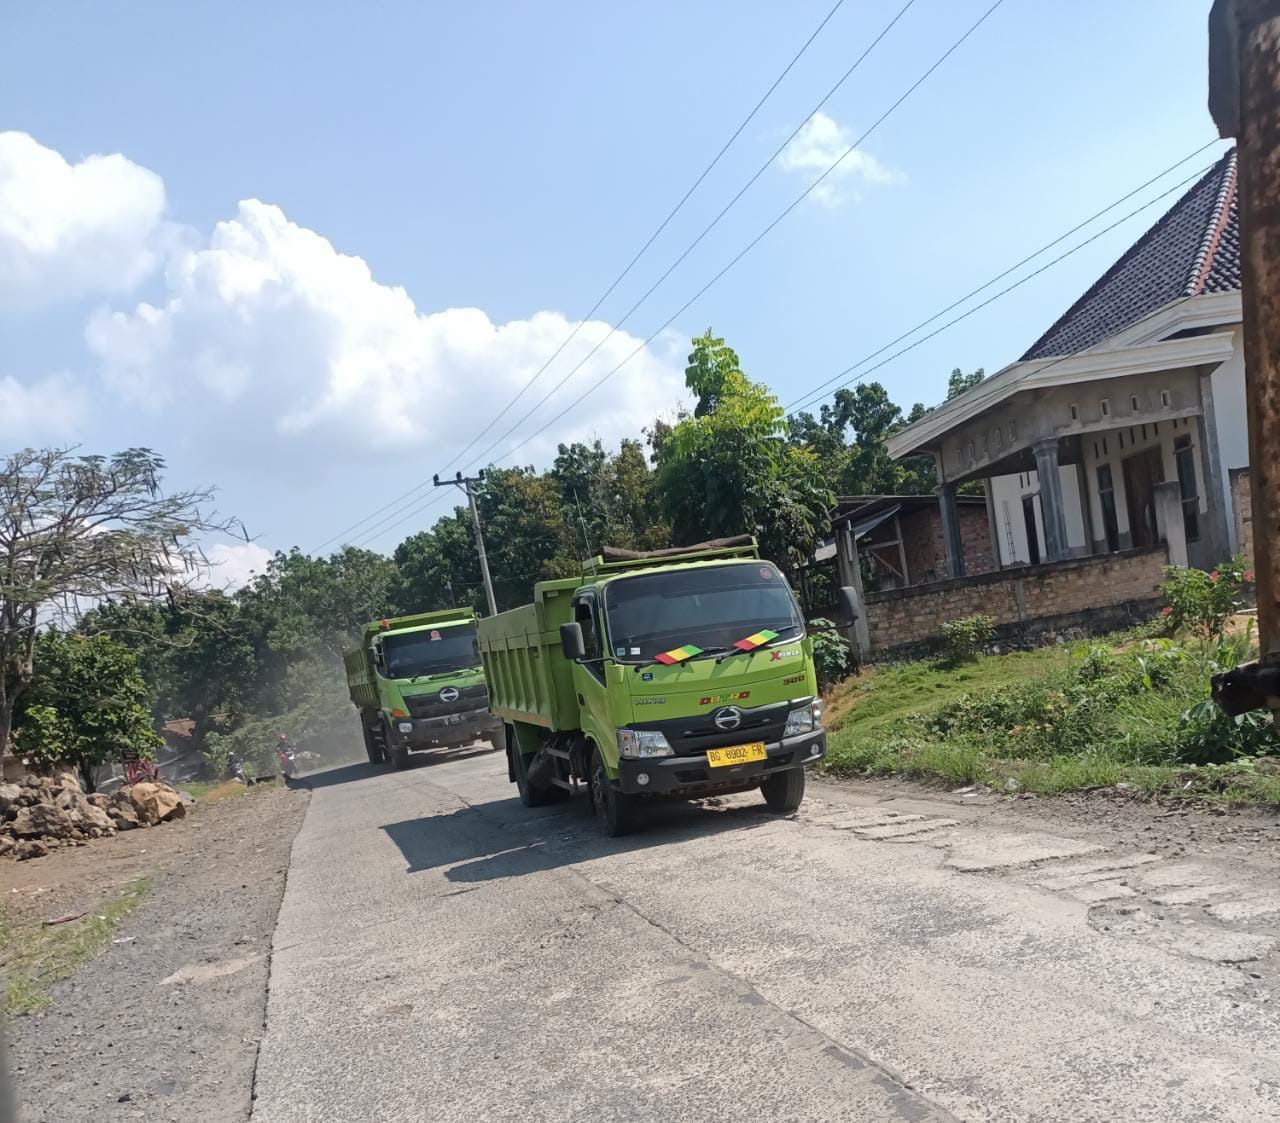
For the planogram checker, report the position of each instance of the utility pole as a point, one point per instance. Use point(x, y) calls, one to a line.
point(1244, 101)
point(466, 482)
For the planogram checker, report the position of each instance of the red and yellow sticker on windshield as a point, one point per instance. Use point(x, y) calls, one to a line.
point(757, 640)
point(678, 654)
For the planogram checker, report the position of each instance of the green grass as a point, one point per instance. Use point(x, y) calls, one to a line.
point(34, 960)
point(1050, 724)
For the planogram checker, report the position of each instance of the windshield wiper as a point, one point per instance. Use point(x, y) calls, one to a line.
point(706, 653)
point(438, 674)
point(729, 653)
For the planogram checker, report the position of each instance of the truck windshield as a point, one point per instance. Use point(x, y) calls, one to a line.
point(712, 608)
point(430, 652)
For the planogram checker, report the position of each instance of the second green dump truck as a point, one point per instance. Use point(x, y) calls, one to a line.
point(419, 685)
point(672, 673)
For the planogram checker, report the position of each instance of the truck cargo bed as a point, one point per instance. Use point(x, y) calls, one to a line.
point(528, 679)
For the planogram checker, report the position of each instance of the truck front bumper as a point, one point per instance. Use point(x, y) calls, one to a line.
point(447, 731)
point(691, 775)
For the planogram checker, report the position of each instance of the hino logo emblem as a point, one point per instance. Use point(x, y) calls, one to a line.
point(728, 719)
point(449, 694)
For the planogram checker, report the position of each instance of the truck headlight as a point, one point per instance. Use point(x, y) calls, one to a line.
point(641, 744)
point(804, 719)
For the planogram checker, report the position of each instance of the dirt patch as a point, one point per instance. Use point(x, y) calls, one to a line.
point(164, 1023)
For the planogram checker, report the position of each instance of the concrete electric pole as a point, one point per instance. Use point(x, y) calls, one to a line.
point(1244, 100)
point(466, 482)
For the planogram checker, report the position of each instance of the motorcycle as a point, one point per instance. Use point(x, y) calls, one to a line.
point(288, 757)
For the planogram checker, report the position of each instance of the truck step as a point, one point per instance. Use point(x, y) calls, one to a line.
point(568, 785)
point(562, 754)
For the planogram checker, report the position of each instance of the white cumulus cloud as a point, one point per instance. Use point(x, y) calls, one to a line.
point(269, 333)
point(67, 230)
point(817, 146)
point(50, 408)
point(234, 565)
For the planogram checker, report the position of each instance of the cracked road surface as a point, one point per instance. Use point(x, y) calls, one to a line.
point(443, 953)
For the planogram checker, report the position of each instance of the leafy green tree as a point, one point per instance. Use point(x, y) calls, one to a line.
point(727, 470)
point(713, 368)
point(77, 530)
point(86, 706)
point(959, 382)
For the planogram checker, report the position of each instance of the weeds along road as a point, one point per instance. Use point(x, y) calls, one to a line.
point(444, 953)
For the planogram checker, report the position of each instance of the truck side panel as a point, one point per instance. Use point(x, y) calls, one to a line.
point(360, 681)
point(528, 679)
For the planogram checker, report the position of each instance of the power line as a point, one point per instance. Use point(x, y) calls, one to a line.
point(749, 246)
point(614, 328)
point(1008, 289)
point(810, 397)
point(619, 278)
point(651, 239)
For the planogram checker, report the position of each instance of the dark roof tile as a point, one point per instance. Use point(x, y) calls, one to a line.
point(1194, 248)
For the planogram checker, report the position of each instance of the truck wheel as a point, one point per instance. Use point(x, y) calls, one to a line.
point(372, 746)
point(784, 791)
point(615, 812)
point(529, 795)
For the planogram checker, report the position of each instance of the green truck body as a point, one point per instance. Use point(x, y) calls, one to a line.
point(418, 684)
point(694, 675)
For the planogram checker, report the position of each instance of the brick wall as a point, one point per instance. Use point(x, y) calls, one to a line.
point(1015, 598)
point(1242, 506)
point(926, 549)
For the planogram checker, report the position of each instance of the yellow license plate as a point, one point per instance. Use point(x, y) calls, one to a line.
point(736, 754)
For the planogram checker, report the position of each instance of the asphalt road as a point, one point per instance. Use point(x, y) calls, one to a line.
point(443, 953)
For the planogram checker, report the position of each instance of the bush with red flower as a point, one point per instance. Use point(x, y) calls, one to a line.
point(1201, 602)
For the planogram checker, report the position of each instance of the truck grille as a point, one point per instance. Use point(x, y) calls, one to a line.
point(432, 705)
point(697, 734)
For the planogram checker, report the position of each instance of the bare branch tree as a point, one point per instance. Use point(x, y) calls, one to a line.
point(76, 531)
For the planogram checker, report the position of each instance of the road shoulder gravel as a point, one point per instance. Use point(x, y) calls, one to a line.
point(165, 1023)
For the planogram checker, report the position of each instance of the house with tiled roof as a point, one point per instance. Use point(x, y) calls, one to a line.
point(1123, 426)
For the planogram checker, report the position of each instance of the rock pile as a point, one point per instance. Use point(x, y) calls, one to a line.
point(41, 813)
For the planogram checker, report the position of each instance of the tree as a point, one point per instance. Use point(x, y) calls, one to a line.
point(959, 382)
point(86, 706)
point(727, 470)
point(713, 366)
point(79, 530)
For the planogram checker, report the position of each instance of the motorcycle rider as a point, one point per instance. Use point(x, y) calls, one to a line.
point(286, 751)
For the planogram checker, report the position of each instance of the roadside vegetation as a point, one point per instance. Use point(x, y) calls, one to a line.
point(1132, 709)
point(33, 959)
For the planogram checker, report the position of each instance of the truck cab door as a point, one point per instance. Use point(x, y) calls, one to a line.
point(589, 681)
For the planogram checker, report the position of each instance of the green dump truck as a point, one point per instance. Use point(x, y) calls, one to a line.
point(418, 684)
point(675, 673)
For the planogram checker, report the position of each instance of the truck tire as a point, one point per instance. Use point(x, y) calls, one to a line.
point(529, 795)
point(372, 746)
point(784, 791)
point(615, 812)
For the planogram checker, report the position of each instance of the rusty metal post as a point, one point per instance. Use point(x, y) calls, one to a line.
point(1244, 99)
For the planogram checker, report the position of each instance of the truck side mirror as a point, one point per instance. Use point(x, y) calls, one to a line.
point(571, 642)
point(847, 602)
point(375, 653)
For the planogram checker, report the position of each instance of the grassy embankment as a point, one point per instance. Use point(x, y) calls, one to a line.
point(1120, 711)
point(33, 959)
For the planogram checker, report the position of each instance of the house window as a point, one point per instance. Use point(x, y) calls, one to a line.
point(1185, 459)
point(999, 439)
point(1075, 412)
point(1165, 399)
point(1013, 431)
point(970, 452)
point(1104, 406)
point(1105, 451)
point(1107, 501)
point(1133, 403)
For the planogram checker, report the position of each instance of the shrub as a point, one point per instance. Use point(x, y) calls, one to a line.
point(1200, 601)
point(832, 657)
point(964, 639)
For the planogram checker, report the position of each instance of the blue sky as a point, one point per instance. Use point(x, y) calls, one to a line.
point(508, 159)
